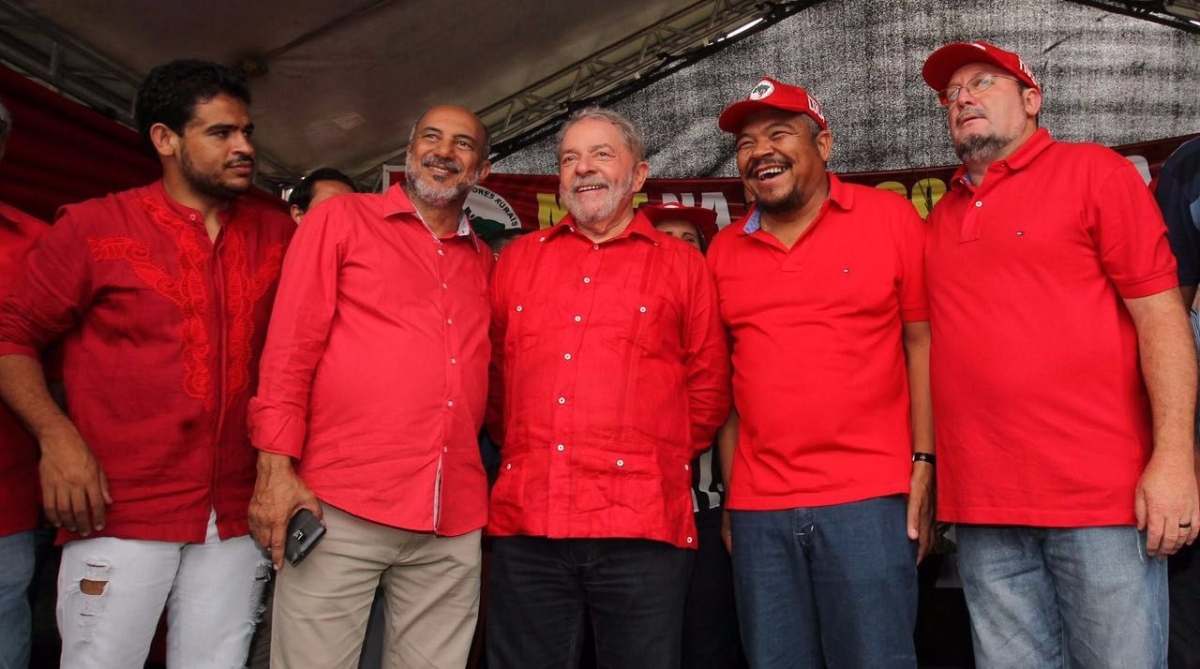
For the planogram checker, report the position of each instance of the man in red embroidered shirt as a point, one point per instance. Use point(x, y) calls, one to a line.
point(160, 296)
point(18, 456)
point(1064, 381)
point(822, 288)
point(610, 375)
point(374, 383)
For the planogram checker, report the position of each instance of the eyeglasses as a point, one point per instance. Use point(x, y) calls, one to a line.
point(975, 86)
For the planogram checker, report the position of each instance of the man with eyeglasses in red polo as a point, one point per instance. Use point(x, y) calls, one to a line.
point(1064, 381)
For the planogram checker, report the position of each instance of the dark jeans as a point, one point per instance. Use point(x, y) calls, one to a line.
point(1183, 582)
point(633, 590)
point(710, 625)
point(832, 586)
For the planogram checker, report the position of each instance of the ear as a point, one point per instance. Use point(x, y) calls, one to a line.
point(824, 142)
point(640, 172)
point(297, 213)
point(164, 139)
point(1031, 100)
point(485, 170)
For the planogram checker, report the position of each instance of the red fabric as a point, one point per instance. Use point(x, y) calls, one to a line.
point(610, 372)
point(375, 372)
point(160, 327)
point(1041, 413)
point(18, 451)
point(820, 379)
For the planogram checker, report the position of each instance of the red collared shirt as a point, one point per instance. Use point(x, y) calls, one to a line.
point(819, 373)
point(375, 372)
point(1041, 413)
point(18, 452)
point(610, 374)
point(161, 330)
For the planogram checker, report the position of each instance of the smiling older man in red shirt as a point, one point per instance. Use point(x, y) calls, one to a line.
point(374, 382)
point(611, 374)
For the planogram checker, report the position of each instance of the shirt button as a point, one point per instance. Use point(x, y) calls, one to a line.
point(566, 356)
point(449, 403)
point(587, 279)
point(193, 217)
point(561, 447)
point(979, 203)
point(441, 252)
point(508, 466)
point(453, 361)
point(449, 321)
point(562, 400)
point(578, 319)
point(541, 239)
point(642, 309)
point(689, 540)
point(445, 449)
point(686, 468)
point(595, 247)
point(445, 286)
point(620, 463)
point(520, 308)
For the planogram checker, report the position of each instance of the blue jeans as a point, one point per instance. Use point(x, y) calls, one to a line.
point(832, 586)
point(16, 621)
point(632, 589)
point(1077, 597)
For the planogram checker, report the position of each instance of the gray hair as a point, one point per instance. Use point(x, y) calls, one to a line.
point(629, 133)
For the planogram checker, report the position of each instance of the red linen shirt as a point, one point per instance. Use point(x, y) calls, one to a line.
point(819, 372)
point(1041, 413)
point(161, 330)
point(375, 372)
point(610, 373)
point(18, 452)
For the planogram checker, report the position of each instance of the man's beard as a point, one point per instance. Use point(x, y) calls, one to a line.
point(789, 201)
point(432, 192)
point(618, 194)
point(983, 148)
point(211, 184)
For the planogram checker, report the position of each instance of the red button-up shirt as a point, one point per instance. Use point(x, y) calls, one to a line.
point(611, 372)
point(18, 453)
point(375, 373)
point(161, 329)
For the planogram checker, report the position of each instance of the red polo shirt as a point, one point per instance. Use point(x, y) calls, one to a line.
point(819, 373)
point(611, 375)
point(18, 452)
point(161, 329)
point(375, 372)
point(1040, 409)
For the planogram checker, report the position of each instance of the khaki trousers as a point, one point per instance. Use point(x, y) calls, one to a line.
point(432, 585)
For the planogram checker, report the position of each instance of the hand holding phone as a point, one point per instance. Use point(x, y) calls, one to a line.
point(304, 533)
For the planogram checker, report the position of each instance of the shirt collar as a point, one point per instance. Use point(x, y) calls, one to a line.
point(839, 195)
point(185, 212)
point(1038, 142)
point(640, 226)
point(397, 203)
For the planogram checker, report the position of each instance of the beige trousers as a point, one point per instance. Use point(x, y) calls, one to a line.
point(432, 584)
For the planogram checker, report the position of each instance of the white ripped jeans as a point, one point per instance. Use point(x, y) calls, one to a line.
point(212, 591)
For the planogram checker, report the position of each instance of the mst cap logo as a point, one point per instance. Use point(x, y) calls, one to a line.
point(489, 213)
point(761, 90)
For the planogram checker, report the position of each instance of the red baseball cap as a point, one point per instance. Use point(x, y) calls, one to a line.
point(704, 219)
point(943, 63)
point(771, 94)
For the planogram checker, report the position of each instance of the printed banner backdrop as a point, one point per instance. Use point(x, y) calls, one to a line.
point(530, 201)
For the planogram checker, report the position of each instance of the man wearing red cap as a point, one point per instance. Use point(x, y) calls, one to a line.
point(822, 289)
point(611, 374)
point(1064, 381)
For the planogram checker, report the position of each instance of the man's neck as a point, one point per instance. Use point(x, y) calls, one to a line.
point(603, 231)
point(443, 220)
point(210, 207)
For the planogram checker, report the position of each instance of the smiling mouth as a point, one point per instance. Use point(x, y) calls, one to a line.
point(588, 189)
point(769, 172)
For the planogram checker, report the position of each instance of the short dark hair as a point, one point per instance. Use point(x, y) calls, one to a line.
point(303, 192)
point(170, 93)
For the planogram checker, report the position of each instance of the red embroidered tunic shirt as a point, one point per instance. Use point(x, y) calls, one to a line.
point(375, 373)
point(18, 453)
point(611, 372)
point(161, 330)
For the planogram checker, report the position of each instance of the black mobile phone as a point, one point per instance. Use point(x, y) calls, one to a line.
point(304, 533)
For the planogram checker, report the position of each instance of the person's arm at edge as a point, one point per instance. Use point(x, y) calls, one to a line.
point(727, 439)
point(922, 487)
point(1166, 503)
point(1182, 232)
